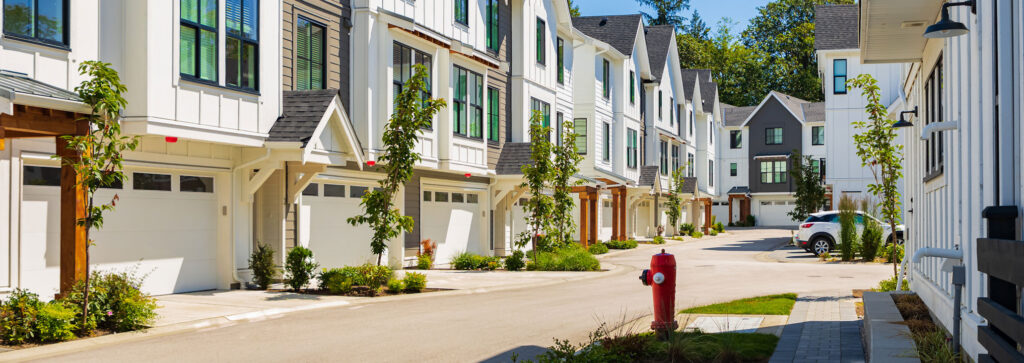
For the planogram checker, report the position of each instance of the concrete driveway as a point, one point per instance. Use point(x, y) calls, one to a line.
point(492, 325)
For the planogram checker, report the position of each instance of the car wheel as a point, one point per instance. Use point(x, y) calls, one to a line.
point(820, 245)
point(898, 241)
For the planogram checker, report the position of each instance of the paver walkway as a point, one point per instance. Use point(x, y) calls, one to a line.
point(821, 328)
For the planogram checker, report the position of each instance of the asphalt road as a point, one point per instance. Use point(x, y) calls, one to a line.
point(489, 326)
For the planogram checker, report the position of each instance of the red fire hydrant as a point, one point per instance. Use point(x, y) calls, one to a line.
point(662, 279)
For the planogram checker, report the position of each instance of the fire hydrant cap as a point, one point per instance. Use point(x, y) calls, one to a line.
point(663, 260)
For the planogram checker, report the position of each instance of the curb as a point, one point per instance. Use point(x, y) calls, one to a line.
point(73, 346)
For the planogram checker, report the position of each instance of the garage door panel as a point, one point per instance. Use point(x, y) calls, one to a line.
point(335, 242)
point(775, 213)
point(453, 225)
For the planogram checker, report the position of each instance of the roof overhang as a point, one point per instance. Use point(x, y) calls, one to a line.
point(772, 156)
point(8, 98)
point(336, 120)
point(893, 31)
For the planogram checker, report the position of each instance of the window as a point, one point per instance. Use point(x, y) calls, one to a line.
point(41, 176)
point(580, 126)
point(493, 41)
point(733, 169)
point(469, 119)
point(663, 149)
point(632, 87)
point(472, 199)
point(545, 111)
point(816, 166)
point(773, 136)
point(462, 11)
point(458, 198)
point(242, 44)
point(773, 172)
point(440, 197)
point(675, 158)
point(334, 190)
point(693, 118)
point(312, 190)
point(559, 125)
point(427, 196)
point(198, 39)
point(492, 113)
point(606, 86)
point(671, 116)
point(355, 191)
point(196, 184)
point(403, 58)
point(607, 142)
point(631, 148)
point(839, 76)
point(310, 45)
point(39, 20)
point(735, 139)
point(711, 173)
point(560, 59)
point(817, 135)
point(147, 181)
point(679, 117)
point(933, 149)
point(541, 43)
point(660, 107)
point(689, 165)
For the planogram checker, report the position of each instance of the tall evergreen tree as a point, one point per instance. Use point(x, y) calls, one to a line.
point(666, 12)
point(697, 27)
point(574, 10)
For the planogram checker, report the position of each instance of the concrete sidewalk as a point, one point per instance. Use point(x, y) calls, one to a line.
point(822, 328)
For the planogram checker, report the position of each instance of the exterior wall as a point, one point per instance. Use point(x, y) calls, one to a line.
point(332, 15)
point(500, 80)
point(771, 114)
point(727, 156)
point(531, 79)
point(56, 66)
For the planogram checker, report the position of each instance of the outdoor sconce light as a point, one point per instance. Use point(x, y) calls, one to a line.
point(468, 175)
point(903, 121)
point(171, 139)
point(371, 162)
point(947, 28)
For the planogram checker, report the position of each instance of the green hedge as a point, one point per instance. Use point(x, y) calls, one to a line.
point(569, 258)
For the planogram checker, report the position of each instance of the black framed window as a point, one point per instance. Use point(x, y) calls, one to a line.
point(355, 191)
point(148, 181)
point(773, 172)
point(632, 87)
point(559, 125)
point(545, 111)
point(711, 173)
point(675, 158)
point(773, 136)
point(817, 135)
point(310, 47)
point(542, 57)
point(43, 21)
point(241, 18)
point(334, 190)
point(689, 165)
point(839, 76)
point(462, 11)
point(580, 126)
point(40, 176)
point(733, 169)
point(560, 59)
point(311, 190)
point(671, 115)
point(195, 184)
point(735, 139)
point(933, 104)
point(403, 57)
point(663, 152)
point(493, 39)
point(493, 109)
point(607, 142)
point(606, 87)
point(660, 104)
point(468, 101)
point(631, 148)
point(197, 48)
point(693, 118)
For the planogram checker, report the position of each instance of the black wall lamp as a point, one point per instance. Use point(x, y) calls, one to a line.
point(903, 121)
point(947, 28)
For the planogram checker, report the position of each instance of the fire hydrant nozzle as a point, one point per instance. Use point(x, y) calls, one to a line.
point(662, 279)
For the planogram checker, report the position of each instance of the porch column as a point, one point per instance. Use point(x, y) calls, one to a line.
point(584, 218)
point(615, 213)
point(621, 211)
point(707, 215)
point(730, 209)
point(593, 223)
point(73, 243)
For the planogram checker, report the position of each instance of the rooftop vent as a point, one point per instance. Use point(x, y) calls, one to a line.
point(603, 21)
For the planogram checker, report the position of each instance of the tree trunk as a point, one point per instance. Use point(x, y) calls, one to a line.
point(85, 299)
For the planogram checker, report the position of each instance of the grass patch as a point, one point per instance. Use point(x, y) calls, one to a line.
point(762, 305)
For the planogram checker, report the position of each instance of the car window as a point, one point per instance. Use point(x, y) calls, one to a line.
point(832, 218)
point(859, 219)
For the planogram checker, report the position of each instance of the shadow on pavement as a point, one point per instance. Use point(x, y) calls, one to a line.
point(524, 351)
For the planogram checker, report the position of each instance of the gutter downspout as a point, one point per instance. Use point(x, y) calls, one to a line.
point(234, 264)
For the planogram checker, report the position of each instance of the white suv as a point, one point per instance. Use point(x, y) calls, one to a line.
point(819, 233)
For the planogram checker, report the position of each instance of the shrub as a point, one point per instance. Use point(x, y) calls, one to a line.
point(870, 239)
point(423, 262)
point(338, 280)
point(396, 285)
point(719, 227)
point(262, 264)
point(887, 252)
point(658, 240)
point(751, 221)
point(428, 247)
point(18, 317)
point(713, 232)
point(825, 256)
point(696, 234)
point(847, 227)
point(889, 284)
point(373, 276)
point(731, 224)
point(415, 282)
point(55, 322)
point(116, 302)
point(491, 263)
point(621, 245)
point(569, 258)
point(299, 267)
point(466, 261)
point(598, 249)
point(687, 229)
point(515, 262)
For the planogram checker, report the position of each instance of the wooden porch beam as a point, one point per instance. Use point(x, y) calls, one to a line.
point(73, 243)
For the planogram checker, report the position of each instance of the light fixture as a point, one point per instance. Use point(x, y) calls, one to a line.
point(903, 121)
point(171, 139)
point(468, 175)
point(371, 162)
point(947, 28)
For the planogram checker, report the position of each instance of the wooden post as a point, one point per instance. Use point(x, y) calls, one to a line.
point(73, 241)
point(730, 209)
point(584, 209)
point(622, 213)
point(593, 223)
point(707, 215)
point(615, 213)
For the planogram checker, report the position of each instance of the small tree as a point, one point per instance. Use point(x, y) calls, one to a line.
point(810, 193)
point(675, 203)
point(878, 150)
point(535, 177)
point(566, 165)
point(98, 159)
point(412, 114)
point(847, 227)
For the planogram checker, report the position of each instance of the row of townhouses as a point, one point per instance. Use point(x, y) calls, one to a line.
point(261, 122)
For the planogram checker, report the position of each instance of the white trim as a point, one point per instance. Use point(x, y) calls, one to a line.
point(765, 100)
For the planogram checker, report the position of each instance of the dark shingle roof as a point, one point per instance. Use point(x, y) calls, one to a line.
point(303, 111)
point(617, 30)
point(836, 27)
point(734, 116)
point(513, 156)
point(792, 103)
point(814, 112)
point(689, 185)
point(691, 76)
point(708, 91)
point(648, 175)
point(739, 190)
point(14, 83)
point(659, 40)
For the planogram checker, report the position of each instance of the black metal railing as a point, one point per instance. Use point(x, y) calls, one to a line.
point(1000, 257)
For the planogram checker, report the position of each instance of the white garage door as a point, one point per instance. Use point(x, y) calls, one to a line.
point(453, 220)
point(774, 213)
point(164, 227)
point(324, 226)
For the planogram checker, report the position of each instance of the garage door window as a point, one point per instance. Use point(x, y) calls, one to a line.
point(357, 191)
point(41, 176)
point(334, 190)
point(440, 197)
point(196, 184)
point(472, 198)
point(458, 198)
point(312, 190)
point(147, 181)
point(427, 196)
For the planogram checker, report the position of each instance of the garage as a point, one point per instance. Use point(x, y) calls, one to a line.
point(164, 228)
point(325, 210)
point(453, 218)
point(775, 213)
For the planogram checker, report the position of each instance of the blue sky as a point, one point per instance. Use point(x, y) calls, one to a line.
point(740, 11)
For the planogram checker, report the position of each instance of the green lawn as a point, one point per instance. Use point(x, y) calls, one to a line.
point(761, 305)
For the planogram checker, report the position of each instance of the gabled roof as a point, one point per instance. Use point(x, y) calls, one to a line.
point(813, 112)
point(512, 158)
point(12, 83)
point(836, 27)
point(708, 91)
point(689, 185)
point(739, 190)
point(734, 116)
point(659, 41)
point(619, 31)
point(308, 115)
point(649, 176)
point(689, 81)
point(791, 103)
point(801, 110)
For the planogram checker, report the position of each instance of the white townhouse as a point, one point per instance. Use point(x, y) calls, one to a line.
point(960, 68)
point(733, 160)
point(706, 121)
